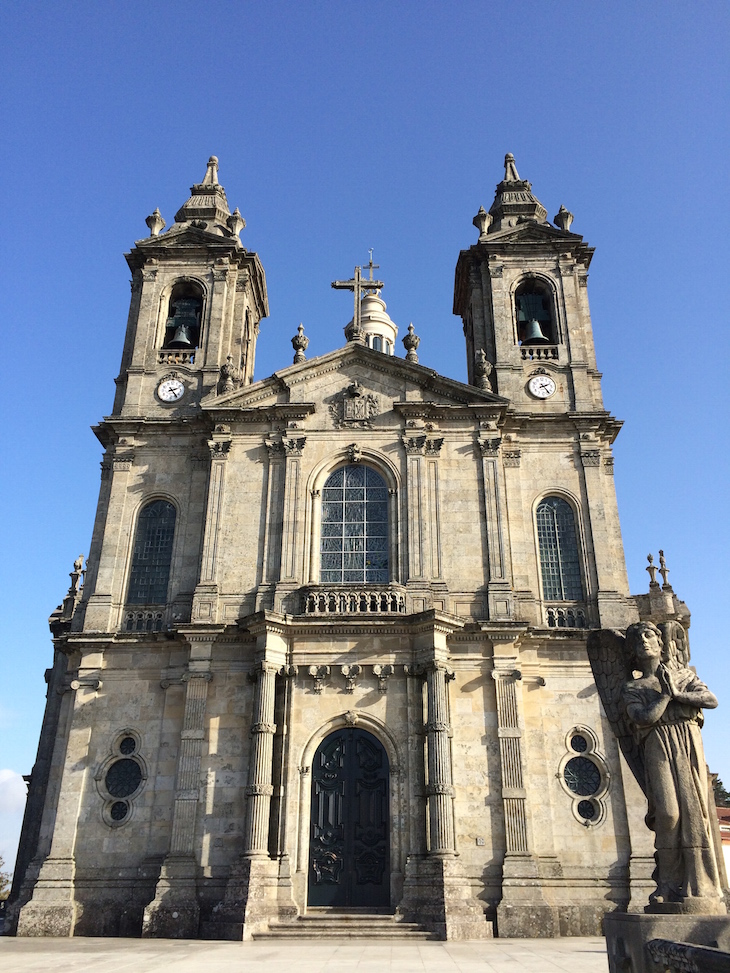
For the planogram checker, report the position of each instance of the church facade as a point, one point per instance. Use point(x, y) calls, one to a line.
point(329, 652)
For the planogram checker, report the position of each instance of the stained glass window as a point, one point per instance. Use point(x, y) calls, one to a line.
point(354, 544)
point(559, 557)
point(152, 554)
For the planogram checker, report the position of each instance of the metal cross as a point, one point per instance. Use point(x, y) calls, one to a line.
point(357, 285)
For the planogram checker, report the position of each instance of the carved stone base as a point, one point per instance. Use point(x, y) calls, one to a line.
point(524, 911)
point(627, 935)
point(51, 911)
point(258, 890)
point(174, 913)
point(437, 894)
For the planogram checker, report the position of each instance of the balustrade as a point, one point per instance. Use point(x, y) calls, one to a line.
point(353, 600)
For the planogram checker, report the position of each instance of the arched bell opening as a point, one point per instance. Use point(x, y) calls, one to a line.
point(349, 832)
point(182, 328)
point(534, 312)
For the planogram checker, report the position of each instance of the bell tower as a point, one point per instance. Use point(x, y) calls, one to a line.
point(521, 292)
point(197, 298)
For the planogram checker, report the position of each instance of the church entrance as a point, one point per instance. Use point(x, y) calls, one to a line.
point(350, 829)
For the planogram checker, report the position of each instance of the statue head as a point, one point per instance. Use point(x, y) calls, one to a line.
point(643, 642)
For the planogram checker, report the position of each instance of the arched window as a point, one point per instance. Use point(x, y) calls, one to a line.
point(182, 329)
point(534, 318)
point(559, 556)
point(354, 544)
point(152, 554)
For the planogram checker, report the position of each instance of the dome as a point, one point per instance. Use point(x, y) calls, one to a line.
point(378, 331)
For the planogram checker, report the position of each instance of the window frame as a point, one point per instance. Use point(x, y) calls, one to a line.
point(139, 606)
point(579, 550)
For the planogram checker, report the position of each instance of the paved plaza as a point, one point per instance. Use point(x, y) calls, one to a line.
point(364, 956)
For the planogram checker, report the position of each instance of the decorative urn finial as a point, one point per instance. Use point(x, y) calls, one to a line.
point(563, 218)
point(652, 569)
point(236, 222)
point(411, 342)
point(482, 221)
point(155, 222)
point(300, 343)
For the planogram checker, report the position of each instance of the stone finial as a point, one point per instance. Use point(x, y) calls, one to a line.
point(482, 371)
point(235, 222)
point(482, 221)
point(663, 570)
point(211, 173)
point(155, 222)
point(300, 343)
point(510, 170)
point(651, 569)
point(411, 343)
point(563, 218)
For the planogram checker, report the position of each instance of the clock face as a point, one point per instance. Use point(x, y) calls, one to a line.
point(541, 386)
point(170, 390)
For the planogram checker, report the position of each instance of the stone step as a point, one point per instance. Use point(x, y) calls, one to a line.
point(345, 925)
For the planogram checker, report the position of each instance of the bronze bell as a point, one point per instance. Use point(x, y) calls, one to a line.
point(185, 322)
point(533, 334)
point(181, 338)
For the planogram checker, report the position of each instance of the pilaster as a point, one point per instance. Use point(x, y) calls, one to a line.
point(523, 906)
point(174, 912)
point(205, 598)
point(499, 587)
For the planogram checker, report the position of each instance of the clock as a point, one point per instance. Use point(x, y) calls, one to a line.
point(541, 386)
point(170, 390)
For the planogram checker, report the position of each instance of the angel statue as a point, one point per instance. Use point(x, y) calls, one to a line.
point(654, 703)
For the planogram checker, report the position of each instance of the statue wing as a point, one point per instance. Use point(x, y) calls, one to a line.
point(611, 671)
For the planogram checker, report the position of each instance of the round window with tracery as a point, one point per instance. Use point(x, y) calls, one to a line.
point(123, 778)
point(582, 776)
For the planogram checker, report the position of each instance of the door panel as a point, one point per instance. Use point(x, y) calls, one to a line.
point(349, 832)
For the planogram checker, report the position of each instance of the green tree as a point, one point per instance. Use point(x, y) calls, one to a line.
point(5, 879)
point(722, 797)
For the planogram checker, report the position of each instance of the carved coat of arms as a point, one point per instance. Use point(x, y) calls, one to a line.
point(354, 407)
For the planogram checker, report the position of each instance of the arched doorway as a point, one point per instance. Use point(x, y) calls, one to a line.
point(349, 843)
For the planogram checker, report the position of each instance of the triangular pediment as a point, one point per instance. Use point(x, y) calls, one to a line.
point(353, 383)
point(532, 232)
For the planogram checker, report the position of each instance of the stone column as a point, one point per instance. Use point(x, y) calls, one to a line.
point(414, 499)
point(440, 775)
point(437, 892)
point(260, 788)
point(205, 598)
point(271, 558)
point(174, 912)
point(291, 543)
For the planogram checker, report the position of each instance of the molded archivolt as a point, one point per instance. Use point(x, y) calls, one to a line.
point(134, 527)
point(584, 776)
point(398, 801)
point(582, 548)
point(316, 481)
point(163, 309)
point(119, 791)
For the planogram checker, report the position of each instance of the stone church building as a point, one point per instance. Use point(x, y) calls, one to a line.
point(328, 654)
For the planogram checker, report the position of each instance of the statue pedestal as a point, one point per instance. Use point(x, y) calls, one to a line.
point(628, 934)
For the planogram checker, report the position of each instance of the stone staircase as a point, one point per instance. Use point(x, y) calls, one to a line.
point(335, 924)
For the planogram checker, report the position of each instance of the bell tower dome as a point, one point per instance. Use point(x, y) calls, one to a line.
point(521, 291)
point(197, 298)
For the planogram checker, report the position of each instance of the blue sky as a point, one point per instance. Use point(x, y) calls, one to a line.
point(341, 127)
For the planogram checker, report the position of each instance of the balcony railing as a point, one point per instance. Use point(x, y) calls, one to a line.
point(566, 616)
point(146, 618)
point(354, 600)
point(175, 356)
point(539, 352)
